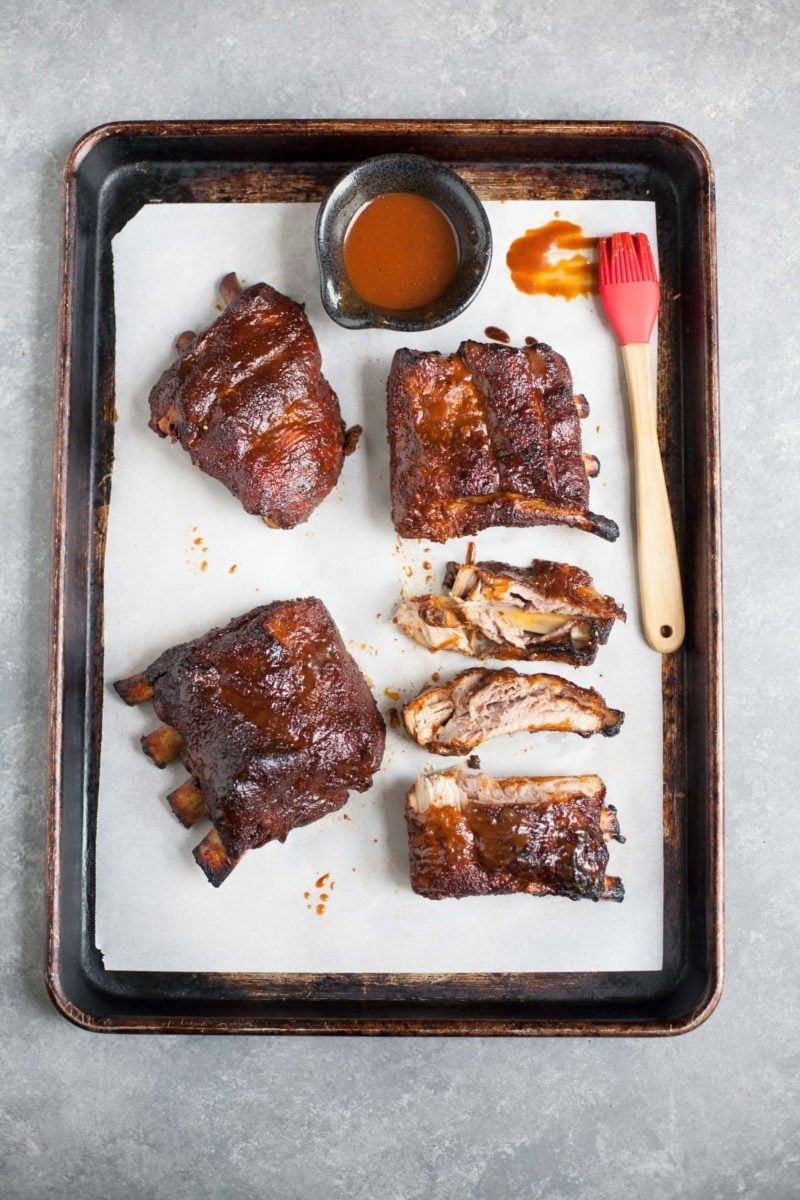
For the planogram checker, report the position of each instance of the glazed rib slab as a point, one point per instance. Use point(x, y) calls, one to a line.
point(487, 436)
point(474, 835)
point(271, 718)
point(247, 399)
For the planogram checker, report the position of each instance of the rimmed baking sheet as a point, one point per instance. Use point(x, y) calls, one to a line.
point(114, 173)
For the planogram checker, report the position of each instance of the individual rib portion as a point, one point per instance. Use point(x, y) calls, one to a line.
point(494, 610)
point(273, 721)
point(247, 399)
point(473, 835)
point(479, 704)
point(487, 436)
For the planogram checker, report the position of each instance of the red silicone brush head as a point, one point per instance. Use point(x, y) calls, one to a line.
point(629, 290)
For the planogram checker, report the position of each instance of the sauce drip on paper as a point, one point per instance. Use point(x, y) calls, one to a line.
point(535, 270)
point(497, 334)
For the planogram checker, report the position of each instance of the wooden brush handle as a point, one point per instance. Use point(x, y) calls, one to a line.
point(659, 577)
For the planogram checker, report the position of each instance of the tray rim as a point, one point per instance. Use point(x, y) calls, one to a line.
point(420, 1025)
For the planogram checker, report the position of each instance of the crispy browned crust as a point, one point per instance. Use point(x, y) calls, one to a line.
point(487, 436)
point(554, 847)
point(564, 584)
point(478, 704)
point(275, 723)
point(248, 401)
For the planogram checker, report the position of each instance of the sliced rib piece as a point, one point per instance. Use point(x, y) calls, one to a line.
point(273, 721)
point(479, 704)
point(248, 401)
point(493, 610)
point(487, 436)
point(473, 835)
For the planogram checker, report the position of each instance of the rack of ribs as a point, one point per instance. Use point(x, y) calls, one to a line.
point(479, 704)
point(487, 436)
point(271, 718)
point(473, 835)
point(493, 610)
point(247, 399)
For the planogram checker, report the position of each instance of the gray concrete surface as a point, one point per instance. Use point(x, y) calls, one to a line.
point(711, 1115)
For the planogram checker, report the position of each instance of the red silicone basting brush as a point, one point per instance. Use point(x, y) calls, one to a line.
point(630, 293)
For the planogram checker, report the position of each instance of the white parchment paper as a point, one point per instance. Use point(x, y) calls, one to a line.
point(174, 537)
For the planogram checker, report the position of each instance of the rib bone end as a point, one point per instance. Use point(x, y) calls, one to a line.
point(187, 803)
point(582, 405)
point(229, 287)
point(163, 745)
point(212, 856)
point(134, 690)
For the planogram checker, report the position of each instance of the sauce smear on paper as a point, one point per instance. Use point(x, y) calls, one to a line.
point(535, 270)
point(400, 252)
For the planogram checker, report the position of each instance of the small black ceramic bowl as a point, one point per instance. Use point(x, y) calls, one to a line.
point(424, 177)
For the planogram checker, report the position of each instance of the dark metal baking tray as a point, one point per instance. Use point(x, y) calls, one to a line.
point(109, 175)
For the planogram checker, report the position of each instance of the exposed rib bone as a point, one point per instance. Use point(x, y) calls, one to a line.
point(163, 745)
point(581, 405)
point(610, 824)
point(211, 855)
point(134, 690)
point(591, 465)
point(456, 788)
point(187, 803)
point(229, 287)
point(184, 340)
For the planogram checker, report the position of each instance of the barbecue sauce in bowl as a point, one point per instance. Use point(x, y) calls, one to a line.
point(402, 243)
point(400, 252)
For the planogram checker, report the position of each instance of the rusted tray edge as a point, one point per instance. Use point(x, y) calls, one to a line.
point(371, 1025)
point(314, 128)
point(54, 813)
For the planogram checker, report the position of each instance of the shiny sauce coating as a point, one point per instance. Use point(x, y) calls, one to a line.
point(400, 252)
point(553, 848)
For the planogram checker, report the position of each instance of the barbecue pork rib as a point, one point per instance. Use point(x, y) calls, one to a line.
point(487, 436)
point(494, 610)
point(473, 835)
point(248, 401)
point(479, 704)
point(271, 718)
